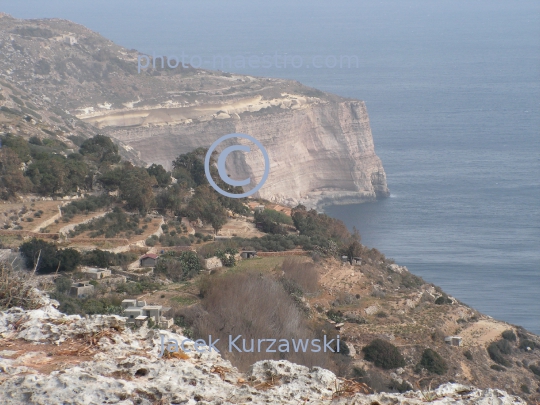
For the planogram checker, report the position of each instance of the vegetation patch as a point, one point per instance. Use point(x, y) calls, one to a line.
point(383, 354)
point(497, 350)
point(109, 226)
point(433, 362)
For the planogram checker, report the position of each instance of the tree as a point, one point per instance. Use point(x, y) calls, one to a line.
point(136, 188)
point(172, 198)
point(111, 179)
point(57, 174)
point(34, 248)
point(68, 259)
point(18, 145)
point(162, 176)
point(100, 149)
point(311, 223)
point(12, 180)
point(193, 163)
point(206, 206)
point(354, 250)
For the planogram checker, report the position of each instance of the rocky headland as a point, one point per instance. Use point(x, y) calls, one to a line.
point(320, 145)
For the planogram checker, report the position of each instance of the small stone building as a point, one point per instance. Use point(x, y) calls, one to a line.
point(356, 261)
point(149, 260)
point(248, 254)
point(81, 289)
point(454, 341)
point(95, 273)
point(139, 312)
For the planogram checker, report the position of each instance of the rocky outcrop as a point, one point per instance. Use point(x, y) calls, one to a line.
point(47, 357)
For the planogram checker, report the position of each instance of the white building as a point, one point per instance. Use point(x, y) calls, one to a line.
point(138, 312)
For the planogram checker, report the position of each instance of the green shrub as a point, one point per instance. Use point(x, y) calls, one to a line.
point(535, 369)
point(443, 299)
point(433, 362)
point(383, 354)
point(496, 367)
point(527, 343)
point(335, 315)
point(509, 335)
point(62, 284)
point(468, 355)
point(525, 389)
point(496, 351)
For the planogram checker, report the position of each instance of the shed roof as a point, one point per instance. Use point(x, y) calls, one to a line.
point(149, 255)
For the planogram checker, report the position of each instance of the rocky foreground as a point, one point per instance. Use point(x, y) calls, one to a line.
point(47, 357)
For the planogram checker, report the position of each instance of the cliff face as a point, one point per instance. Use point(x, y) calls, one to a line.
point(320, 145)
point(320, 153)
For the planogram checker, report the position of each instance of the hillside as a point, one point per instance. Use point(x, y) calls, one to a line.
point(84, 82)
point(105, 204)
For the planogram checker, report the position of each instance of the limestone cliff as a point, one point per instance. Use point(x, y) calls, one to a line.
point(320, 153)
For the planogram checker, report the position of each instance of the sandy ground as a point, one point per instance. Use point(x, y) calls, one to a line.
point(241, 228)
point(342, 277)
point(482, 332)
point(49, 208)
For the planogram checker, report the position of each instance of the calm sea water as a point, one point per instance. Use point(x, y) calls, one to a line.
point(453, 92)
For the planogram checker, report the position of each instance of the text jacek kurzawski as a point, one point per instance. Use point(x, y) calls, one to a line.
point(241, 345)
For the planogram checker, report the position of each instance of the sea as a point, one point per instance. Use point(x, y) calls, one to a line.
point(452, 88)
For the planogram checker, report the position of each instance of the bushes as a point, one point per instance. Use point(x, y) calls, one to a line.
point(383, 354)
point(509, 335)
point(89, 306)
point(50, 258)
point(443, 299)
point(496, 351)
point(227, 256)
point(335, 315)
point(272, 221)
point(433, 362)
point(86, 205)
point(104, 259)
point(62, 284)
point(535, 369)
point(110, 225)
point(311, 223)
point(525, 343)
